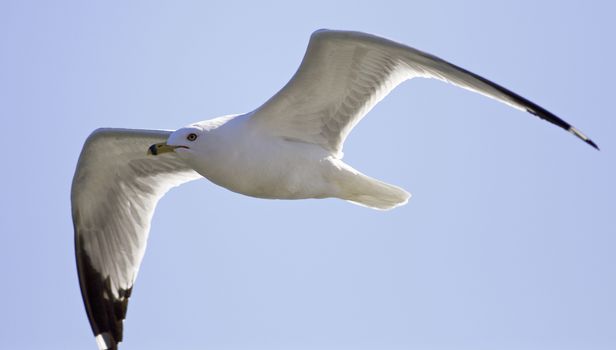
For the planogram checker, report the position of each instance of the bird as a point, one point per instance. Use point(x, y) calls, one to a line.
point(288, 148)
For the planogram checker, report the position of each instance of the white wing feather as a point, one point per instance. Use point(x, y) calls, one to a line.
point(344, 74)
point(114, 193)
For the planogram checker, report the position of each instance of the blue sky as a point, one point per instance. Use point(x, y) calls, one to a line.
point(507, 243)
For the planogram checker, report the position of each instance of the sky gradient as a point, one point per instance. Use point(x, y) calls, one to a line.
point(507, 243)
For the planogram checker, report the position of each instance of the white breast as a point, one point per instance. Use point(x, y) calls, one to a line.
point(240, 158)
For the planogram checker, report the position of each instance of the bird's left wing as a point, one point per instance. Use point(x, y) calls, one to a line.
point(115, 190)
point(344, 74)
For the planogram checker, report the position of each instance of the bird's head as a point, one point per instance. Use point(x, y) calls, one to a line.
point(182, 141)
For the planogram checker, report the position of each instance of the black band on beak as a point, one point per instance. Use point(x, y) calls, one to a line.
point(153, 150)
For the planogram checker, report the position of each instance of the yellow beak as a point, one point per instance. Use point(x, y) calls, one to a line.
point(159, 148)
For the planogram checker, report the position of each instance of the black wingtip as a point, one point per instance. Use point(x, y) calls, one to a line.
point(579, 134)
point(106, 310)
point(531, 107)
point(548, 116)
point(589, 141)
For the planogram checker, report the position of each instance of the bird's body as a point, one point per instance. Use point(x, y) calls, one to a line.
point(289, 148)
point(239, 155)
point(244, 160)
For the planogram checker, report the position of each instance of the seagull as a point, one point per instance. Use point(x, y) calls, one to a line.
point(289, 148)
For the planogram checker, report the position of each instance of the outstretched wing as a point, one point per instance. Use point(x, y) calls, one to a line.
point(114, 193)
point(344, 74)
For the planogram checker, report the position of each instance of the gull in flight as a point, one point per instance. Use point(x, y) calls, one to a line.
point(289, 148)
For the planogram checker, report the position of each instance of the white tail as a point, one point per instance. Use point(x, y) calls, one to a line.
point(363, 190)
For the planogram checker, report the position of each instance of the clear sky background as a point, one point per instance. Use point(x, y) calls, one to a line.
point(508, 242)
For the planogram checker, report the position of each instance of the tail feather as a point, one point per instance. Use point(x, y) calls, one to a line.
point(363, 190)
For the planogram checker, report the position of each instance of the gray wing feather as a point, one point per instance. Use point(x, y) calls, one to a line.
point(115, 190)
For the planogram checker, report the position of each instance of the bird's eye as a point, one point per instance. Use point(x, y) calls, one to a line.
point(191, 137)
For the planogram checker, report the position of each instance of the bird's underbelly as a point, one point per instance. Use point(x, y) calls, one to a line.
point(279, 174)
point(263, 181)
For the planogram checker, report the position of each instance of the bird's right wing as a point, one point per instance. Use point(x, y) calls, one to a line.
point(115, 190)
